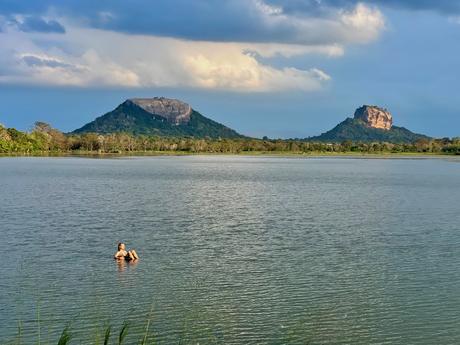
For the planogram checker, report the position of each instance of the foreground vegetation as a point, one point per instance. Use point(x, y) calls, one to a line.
point(43, 139)
point(129, 334)
point(106, 335)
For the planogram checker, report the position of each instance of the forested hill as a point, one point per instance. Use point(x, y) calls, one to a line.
point(369, 124)
point(356, 131)
point(157, 117)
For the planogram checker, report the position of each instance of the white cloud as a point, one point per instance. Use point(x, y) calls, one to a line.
point(92, 57)
point(267, 9)
point(358, 25)
point(95, 57)
point(243, 72)
point(365, 23)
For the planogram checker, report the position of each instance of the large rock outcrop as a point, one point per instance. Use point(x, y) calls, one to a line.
point(173, 110)
point(370, 124)
point(157, 116)
point(374, 117)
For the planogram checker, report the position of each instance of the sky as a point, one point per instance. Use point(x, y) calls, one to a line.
point(281, 68)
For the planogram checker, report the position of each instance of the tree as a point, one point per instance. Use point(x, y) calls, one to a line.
point(42, 127)
point(50, 138)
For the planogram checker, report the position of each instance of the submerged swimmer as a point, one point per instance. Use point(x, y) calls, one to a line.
point(121, 254)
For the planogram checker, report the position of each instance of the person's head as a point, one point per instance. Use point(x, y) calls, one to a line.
point(121, 246)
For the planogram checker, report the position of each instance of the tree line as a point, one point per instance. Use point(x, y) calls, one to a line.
point(43, 139)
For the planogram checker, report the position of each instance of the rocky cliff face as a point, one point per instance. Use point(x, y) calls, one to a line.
point(174, 111)
point(374, 117)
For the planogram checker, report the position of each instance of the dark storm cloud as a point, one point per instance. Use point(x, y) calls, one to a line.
point(443, 6)
point(212, 20)
point(318, 6)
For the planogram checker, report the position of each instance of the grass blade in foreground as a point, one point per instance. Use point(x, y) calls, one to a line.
point(65, 337)
point(123, 333)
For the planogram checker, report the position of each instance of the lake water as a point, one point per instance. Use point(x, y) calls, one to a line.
point(234, 250)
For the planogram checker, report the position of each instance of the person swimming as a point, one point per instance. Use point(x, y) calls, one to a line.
point(121, 253)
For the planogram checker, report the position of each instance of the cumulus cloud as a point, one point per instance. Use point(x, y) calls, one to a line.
point(178, 43)
point(101, 58)
point(281, 21)
point(369, 22)
point(244, 21)
point(210, 20)
point(248, 74)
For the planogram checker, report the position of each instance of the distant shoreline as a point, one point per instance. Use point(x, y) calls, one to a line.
point(94, 154)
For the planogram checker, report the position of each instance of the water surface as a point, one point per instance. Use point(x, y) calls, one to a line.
point(234, 250)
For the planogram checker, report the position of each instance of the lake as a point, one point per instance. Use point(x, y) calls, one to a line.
point(234, 250)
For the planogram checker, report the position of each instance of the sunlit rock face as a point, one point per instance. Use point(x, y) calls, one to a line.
point(374, 117)
point(173, 110)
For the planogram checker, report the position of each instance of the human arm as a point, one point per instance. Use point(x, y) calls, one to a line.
point(119, 255)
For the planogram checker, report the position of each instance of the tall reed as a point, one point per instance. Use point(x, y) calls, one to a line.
point(65, 337)
point(123, 333)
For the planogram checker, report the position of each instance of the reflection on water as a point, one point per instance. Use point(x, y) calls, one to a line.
point(234, 250)
point(123, 265)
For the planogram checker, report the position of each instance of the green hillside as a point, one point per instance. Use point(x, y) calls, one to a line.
point(132, 119)
point(357, 131)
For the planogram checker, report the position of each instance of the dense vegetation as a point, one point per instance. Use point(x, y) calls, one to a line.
point(132, 119)
point(356, 130)
point(44, 139)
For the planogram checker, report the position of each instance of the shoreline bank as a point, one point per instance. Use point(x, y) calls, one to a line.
point(95, 154)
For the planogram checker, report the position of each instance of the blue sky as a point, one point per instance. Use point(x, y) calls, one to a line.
point(282, 68)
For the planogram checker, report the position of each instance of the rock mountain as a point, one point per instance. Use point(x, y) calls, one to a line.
point(374, 117)
point(157, 116)
point(173, 110)
point(369, 123)
point(161, 116)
